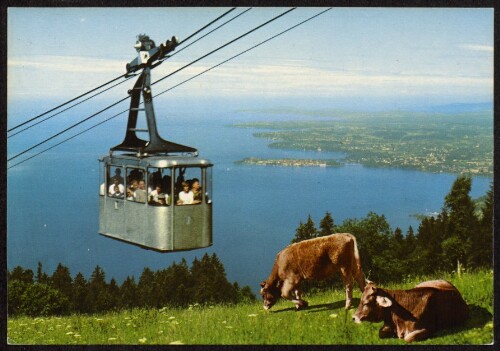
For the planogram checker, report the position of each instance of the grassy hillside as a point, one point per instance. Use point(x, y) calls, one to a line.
point(324, 322)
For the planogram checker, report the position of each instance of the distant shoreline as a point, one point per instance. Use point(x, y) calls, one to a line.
point(289, 162)
point(460, 143)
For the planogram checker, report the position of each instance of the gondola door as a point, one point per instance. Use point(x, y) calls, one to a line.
point(112, 219)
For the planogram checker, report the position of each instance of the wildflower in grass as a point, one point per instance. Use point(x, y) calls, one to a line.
point(69, 333)
point(171, 317)
point(99, 319)
point(111, 339)
point(177, 342)
point(77, 336)
point(252, 315)
point(160, 332)
point(143, 340)
point(334, 315)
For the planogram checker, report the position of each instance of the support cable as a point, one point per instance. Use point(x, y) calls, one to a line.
point(223, 46)
point(203, 36)
point(67, 102)
point(111, 81)
point(173, 87)
point(70, 107)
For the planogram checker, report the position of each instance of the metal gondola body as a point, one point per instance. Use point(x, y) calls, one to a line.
point(171, 225)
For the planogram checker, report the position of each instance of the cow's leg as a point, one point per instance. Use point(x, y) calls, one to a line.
point(347, 277)
point(386, 332)
point(288, 290)
point(417, 335)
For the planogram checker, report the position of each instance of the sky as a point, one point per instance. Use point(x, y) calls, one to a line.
point(441, 55)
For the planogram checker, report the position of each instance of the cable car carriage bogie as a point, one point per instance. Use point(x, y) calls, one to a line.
point(155, 193)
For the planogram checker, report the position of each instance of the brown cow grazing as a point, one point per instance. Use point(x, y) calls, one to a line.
point(313, 259)
point(414, 314)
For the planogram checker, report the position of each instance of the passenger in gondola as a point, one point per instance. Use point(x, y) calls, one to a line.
point(155, 179)
point(116, 189)
point(162, 200)
point(197, 191)
point(153, 195)
point(133, 185)
point(186, 196)
point(130, 195)
point(140, 193)
point(118, 175)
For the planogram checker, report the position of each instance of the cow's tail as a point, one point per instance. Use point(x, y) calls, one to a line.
point(359, 276)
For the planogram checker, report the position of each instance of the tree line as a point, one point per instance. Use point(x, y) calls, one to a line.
point(459, 237)
point(178, 285)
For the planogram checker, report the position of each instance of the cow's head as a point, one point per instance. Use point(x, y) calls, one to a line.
point(371, 305)
point(270, 293)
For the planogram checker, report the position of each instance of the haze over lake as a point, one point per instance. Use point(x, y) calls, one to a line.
point(53, 198)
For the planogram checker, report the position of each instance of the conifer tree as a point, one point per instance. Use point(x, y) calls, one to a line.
point(128, 293)
point(114, 300)
point(146, 289)
point(79, 294)
point(22, 275)
point(62, 281)
point(326, 226)
point(97, 294)
point(481, 254)
point(462, 223)
point(305, 231)
point(41, 276)
point(409, 241)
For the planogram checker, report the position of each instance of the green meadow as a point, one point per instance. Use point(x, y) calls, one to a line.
point(325, 322)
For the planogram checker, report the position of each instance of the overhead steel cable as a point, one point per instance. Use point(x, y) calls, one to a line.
point(116, 103)
point(111, 81)
point(223, 46)
point(65, 130)
point(203, 36)
point(67, 102)
point(242, 52)
point(208, 25)
point(173, 87)
point(70, 107)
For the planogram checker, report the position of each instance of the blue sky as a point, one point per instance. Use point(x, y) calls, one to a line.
point(440, 55)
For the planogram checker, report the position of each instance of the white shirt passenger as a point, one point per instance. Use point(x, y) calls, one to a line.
point(186, 198)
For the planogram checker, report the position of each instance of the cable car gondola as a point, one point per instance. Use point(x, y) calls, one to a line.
point(154, 193)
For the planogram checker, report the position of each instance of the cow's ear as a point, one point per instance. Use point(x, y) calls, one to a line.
point(384, 301)
point(263, 284)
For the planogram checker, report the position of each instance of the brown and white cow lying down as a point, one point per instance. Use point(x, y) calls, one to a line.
point(413, 314)
point(313, 259)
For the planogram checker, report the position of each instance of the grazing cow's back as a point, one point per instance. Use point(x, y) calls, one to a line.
point(413, 314)
point(314, 259)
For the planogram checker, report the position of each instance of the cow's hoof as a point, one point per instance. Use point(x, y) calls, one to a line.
point(301, 305)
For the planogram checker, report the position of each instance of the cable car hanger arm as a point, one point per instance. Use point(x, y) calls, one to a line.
point(150, 55)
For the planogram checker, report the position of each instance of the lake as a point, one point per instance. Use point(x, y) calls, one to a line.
point(52, 212)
